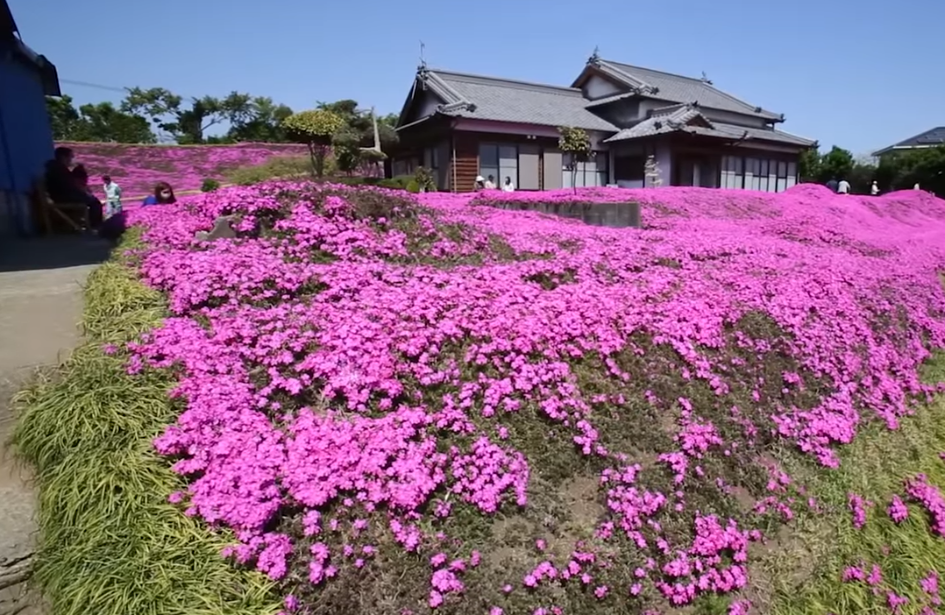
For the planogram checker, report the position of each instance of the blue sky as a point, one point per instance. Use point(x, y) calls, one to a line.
point(858, 74)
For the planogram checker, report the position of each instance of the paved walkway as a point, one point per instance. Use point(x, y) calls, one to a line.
point(40, 305)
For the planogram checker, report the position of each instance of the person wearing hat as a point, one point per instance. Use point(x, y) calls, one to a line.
point(480, 183)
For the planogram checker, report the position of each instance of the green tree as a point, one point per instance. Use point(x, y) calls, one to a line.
point(576, 143)
point(835, 164)
point(316, 129)
point(187, 124)
point(902, 170)
point(361, 123)
point(100, 122)
point(263, 123)
point(808, 166)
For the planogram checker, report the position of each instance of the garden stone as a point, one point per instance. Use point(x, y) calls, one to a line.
point(222, 229)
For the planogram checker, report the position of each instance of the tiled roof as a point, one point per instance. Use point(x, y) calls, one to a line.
point(929, 138)
point(504, 100)
point(686, 118)
point(677, 89)
point(662, 121)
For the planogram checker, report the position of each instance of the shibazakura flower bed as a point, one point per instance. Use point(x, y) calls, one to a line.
point(411, 406)
point(137, 168)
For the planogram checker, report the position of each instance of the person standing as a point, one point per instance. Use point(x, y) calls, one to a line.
point(832, 184)
point(112, 196)
point(843, 187)
point(490, 183)
point(508, 186)
point(874, 188)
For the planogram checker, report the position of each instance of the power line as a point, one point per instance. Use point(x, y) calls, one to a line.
point(97, 86)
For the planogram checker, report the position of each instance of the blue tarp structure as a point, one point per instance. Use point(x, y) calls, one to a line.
point(26, 143)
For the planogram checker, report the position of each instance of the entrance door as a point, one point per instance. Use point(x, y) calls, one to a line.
point(528, 156)
point(552, 169)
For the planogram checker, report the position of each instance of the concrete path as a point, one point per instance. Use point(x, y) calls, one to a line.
point(40, 305)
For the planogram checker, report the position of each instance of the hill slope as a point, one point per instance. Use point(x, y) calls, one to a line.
point(440, 406)
point(137, 168)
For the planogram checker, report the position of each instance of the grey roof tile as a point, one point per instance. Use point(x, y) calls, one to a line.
point(505, 100)
point(933, 137)
point(681, 89)
point(681, 121)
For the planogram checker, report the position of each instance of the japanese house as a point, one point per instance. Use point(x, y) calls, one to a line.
point(462, 126)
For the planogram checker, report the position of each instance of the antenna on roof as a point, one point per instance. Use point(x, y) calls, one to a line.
point(705, 79)
point(423, 61)
point(596, 55)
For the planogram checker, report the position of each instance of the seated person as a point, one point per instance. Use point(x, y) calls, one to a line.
point(81, 177)
point(62, 187)
point(163, 195)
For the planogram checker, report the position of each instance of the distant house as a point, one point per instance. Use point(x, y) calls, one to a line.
point(463, 125)
point(26, 78)
point(930, 138)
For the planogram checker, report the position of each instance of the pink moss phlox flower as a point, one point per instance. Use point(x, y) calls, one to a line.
point(897, 510)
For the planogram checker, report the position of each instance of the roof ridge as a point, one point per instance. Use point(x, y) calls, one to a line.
point(505, 80)
point(920, 135)
point(697, 80)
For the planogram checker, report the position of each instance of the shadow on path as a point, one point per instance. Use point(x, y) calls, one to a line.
point(52, 252)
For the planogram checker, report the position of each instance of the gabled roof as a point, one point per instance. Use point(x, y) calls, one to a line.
point(688, 119)
point(929, 138)
point(506, 100)
point(664, 120)
point(651, 83)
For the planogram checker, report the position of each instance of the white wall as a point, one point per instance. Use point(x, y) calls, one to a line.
point(598, 87)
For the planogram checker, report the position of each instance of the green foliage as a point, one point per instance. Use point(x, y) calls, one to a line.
point(276, 167)
point(835, 164)
point(359, 123)
point(347, 150)
point(413, 186)
point(209, 185)
point(902, 170)
point(315, 128)
point(808, 166)
point(109, 541)
point(424, 179)
point(577, 143)
point(100, 122)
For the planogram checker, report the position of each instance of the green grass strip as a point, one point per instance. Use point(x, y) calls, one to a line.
point(109, 542)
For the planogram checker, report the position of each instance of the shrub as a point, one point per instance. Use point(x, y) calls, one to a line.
point(413, 186)
point(314, 128)
point(209, 185)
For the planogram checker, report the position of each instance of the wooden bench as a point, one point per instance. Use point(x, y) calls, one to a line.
point(74, 215)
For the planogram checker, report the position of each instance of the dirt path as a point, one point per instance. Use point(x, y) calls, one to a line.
point(40, 305)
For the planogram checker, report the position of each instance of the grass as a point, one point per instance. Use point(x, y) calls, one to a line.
point(109, 543)
point(805, 569)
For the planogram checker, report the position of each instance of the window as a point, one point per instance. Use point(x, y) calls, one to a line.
point(781, 184)
point(733, 175)
point(791, 174)
point(752, 166)
point(629, 168)
point(587, 174)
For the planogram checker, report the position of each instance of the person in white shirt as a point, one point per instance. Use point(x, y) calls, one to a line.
point(112, 197)
point(843, 187)
point(480, 183)
point(490, 183)
point(508, 186)
point(874, 189)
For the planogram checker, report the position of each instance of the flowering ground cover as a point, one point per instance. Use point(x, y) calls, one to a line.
point(387, 405)
point(137, 168)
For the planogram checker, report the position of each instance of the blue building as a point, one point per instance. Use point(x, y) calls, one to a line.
point(26, 142)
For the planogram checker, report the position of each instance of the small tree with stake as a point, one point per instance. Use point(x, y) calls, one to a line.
point(576, 143)
point(316, 129)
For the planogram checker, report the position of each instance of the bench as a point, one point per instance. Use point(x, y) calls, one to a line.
point(75, 215)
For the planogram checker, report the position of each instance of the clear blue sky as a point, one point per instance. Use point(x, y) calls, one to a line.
point(861, 74)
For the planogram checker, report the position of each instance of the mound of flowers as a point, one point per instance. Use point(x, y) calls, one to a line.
point(137, 168)
point(404, 406)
